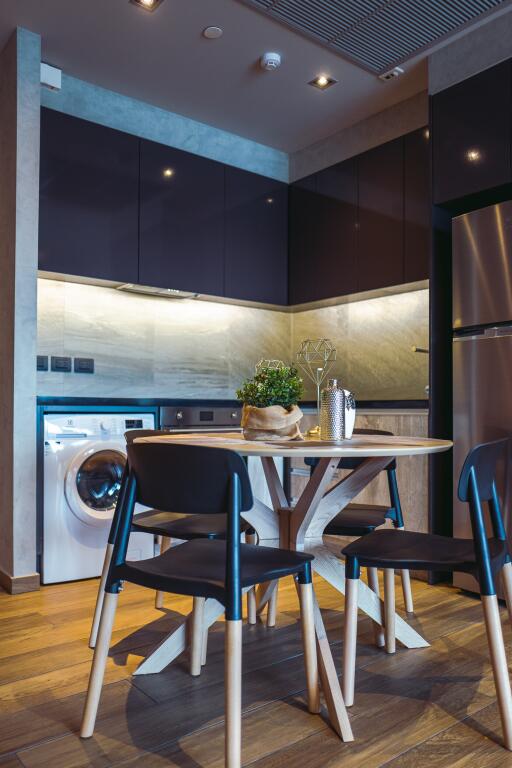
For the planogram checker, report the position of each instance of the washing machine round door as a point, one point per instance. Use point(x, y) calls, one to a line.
point(93, 482)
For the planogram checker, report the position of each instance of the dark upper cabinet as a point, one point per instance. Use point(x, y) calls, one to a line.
point(89, 187)
point(336, 226)
point(417, 208)
point(181, 220)
point(323, 234)
point(381, 211)
point(471, 134)
point(303, 217)
point(256, 245)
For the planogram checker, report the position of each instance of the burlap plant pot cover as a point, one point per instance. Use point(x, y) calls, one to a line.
point(272, 423)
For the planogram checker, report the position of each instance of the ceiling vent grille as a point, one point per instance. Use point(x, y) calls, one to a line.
point(377, 34)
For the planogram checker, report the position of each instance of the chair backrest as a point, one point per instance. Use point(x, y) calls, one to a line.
point(188, 479)
point(481, 462)
point(477, 484)
point(132, 434)
point(354, 463)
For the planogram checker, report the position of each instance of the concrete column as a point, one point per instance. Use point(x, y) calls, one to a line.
point(19, 208)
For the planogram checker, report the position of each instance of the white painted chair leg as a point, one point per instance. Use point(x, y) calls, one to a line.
point(499, 664)
point(272, 607)
point(99, 599)
point(389, 610)
point(407, 591)
point(350, 641)
point(98, 665)
point(251, 606)
point(165, 543)
point(233, 694)
point(309, 643)
point(251, 538)
point(373, 583)
point(205, 646)
point(506, 576)
point(197, 639)
point(406, 586)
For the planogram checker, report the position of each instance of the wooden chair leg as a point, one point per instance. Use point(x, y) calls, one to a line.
point(373, 583)
point(99, 599)
point(197, 639)
point(506, 576)
point(389, 610)
point(165, 543)
point(350, 641)
point(499, 664)
point(98, 665)
point(233, 694)
point(272, 607)
point(406, 585)
point(309, 643)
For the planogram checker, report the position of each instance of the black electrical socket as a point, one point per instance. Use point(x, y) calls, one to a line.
point(42, 362)
point(61, 364)
point(84, 365)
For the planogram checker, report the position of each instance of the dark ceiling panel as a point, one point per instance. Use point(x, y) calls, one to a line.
point(377, 34)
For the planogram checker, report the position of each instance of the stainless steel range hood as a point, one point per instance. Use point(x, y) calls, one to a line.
point(164, 293)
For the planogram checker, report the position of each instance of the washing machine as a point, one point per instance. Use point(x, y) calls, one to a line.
point(84, 459)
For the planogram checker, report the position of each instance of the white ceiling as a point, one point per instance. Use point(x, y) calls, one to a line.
point(162, 58)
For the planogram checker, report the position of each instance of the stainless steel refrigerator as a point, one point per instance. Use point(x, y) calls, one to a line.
point(482, 348)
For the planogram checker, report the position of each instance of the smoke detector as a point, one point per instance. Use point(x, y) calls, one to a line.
point(270, 61)
point(391, 74)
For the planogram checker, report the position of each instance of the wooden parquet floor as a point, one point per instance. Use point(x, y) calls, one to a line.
point(433, 707)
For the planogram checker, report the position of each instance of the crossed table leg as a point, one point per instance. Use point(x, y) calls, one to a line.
point(301, 528)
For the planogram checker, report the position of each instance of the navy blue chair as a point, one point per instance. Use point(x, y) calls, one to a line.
point(168, 526)
point(484, 557)
point(189, 480)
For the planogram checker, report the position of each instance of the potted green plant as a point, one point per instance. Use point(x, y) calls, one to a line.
point(270, 410)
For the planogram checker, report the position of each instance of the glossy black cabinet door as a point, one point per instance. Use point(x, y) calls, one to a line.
point(181, 220)
point(336, 228)
point(417, 206)
point(471, 133)
point(256, 250)
point(381, 203)
point(303, 220)
point(89, 187)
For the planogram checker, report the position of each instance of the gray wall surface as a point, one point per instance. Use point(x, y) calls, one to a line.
point(483, 47)
point(384, 126)
point(19, 210)
point(90, 102)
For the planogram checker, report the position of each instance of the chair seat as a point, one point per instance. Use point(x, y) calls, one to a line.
point(422, 551)
point(358, 520)
point(199, 568)
point(183, 527)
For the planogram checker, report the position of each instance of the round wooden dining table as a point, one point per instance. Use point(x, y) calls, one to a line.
point(301, 527)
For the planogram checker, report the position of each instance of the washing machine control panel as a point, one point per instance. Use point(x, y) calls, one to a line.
point(87, 426)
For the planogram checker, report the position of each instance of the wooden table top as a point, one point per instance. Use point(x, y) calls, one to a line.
point(360, 446)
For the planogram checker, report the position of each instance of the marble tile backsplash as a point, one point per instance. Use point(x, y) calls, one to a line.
point(158, 348)
point(374, 340)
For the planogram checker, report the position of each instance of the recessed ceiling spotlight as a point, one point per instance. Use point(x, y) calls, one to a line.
point(212, 33)
point(322, 82)
point(168, 173)
point(148, 5)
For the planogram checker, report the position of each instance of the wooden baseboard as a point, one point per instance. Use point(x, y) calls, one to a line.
point(15, 585)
